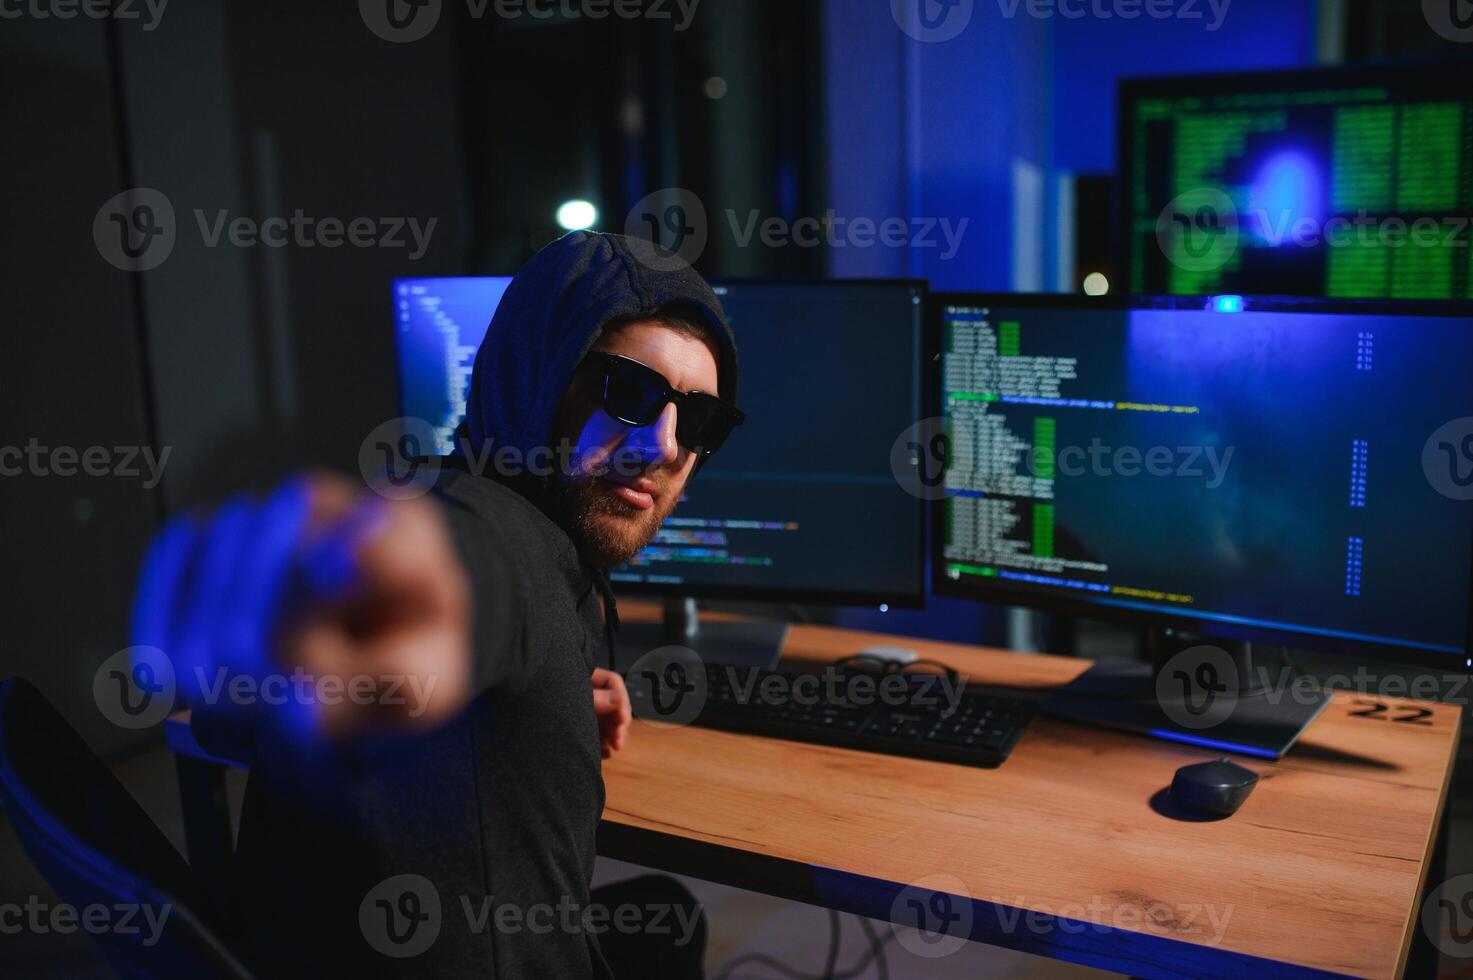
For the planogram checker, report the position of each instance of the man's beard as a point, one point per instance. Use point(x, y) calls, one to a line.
point(607, 530)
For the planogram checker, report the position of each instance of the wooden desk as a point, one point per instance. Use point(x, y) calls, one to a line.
point(1322, 870)
point(1060, 851)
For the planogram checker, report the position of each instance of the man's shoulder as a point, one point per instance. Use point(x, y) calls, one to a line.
point(508, 514)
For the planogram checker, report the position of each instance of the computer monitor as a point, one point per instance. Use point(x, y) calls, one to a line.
point(803, 503)
point(1296, 472)
point(1224, 472)
point(439, 325)
point(1334, 182)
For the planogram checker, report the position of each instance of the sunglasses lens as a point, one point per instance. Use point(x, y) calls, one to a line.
point(702, 423)
point(635, 394)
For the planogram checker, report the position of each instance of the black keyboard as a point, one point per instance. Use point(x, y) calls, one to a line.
point(914, 714)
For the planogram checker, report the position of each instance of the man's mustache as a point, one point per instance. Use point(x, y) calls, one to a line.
point(627, 466)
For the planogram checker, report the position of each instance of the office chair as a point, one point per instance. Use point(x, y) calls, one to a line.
point(95, 845)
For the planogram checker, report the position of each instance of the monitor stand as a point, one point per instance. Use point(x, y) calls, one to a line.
point(740, 643)
point(1209, 692)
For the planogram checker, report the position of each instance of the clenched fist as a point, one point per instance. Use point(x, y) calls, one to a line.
point(340, 608)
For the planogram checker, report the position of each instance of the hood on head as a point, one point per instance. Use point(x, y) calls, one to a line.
point(549, 318)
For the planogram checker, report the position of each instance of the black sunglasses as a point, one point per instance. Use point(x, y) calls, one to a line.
point(636, 394)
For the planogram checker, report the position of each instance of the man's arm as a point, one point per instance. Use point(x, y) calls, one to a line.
point(501, 654)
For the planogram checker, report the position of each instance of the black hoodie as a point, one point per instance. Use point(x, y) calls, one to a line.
point(495, 814)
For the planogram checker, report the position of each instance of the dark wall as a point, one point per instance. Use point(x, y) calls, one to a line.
point(268, 358)
point(72, 369)
point(612, 110)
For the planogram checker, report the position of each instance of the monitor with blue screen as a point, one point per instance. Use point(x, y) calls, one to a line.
point(439, 324)
point(1296, 471)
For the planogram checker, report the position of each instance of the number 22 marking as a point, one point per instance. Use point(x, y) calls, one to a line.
point(1378, 710)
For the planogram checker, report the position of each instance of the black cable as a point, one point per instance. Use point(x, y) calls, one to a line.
point(783, 968)
point(888, 665)
point(876, 954)
point(876, 949)
point(765, 960)
point(836, 935)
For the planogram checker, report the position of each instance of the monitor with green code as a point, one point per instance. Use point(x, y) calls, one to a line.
point(1336, 182)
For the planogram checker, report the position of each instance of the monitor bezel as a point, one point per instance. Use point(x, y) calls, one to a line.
point(1130, 90)
point(1003, 594)
point(912, 599)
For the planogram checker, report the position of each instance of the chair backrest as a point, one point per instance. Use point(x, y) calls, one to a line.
point(97, 847)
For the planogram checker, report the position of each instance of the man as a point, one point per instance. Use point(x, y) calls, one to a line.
point(477, 615)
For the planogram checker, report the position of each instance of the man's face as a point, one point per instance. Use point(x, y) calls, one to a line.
point(625, 479)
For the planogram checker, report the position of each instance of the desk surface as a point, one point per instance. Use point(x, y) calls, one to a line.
point(1321, 871)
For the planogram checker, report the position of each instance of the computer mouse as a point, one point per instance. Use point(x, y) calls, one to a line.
point(1213, 787)
point(904, 655)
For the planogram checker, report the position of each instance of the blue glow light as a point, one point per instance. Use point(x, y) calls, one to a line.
point(1227, 304)
point(1172, 735)
point(1286, 190)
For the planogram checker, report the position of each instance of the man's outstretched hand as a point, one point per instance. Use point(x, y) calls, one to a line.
point(353, 609)
point(611, 704)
